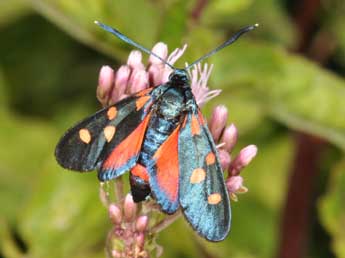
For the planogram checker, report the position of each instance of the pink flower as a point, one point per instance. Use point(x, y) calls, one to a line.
point(105, 83)
point(115, 214)
point(134, 77)
point(235, 186)
point(199, 77)
point(243, 159)
point(218, 121)
point(229, 137)
point(129, 233)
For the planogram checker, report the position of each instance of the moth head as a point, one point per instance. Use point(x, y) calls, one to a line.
point(179, 77)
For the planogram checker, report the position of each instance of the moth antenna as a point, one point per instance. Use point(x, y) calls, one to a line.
point(225, 44)
point(131, 42)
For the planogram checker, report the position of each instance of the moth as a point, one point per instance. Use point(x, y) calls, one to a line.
point(160, 136)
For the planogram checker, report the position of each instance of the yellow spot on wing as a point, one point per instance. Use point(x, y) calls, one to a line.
point(112, 113)
point(109, 132)
point(197, 176)
point(84, 135)
point(214, 198)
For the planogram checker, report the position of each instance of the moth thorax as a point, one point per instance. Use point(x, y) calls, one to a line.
point(179, 77)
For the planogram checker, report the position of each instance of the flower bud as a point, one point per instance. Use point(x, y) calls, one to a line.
point(105, 83)
point(142, 223)
point(115, 214)
point(229, 137)
point(242, 159)
point(140, 239)
point(139, 81)
point(218, 121)
point(161, 50)
point(121, 83)
point(234, 183)
point(130, 207)
point(134, 60)
point(155, 74)
point(224, 158)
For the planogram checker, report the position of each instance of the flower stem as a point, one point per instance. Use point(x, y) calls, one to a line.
point(165, 222)
point(296, 217)
point(118, 188)
point(104, 194)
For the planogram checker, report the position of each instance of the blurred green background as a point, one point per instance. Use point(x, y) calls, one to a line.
point(283, 84)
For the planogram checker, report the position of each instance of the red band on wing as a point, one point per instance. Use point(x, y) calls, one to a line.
point(168, 166)
point(201, 118)
point(128, 148)
point(184, 121)
point(140, 171)
point(144, 92)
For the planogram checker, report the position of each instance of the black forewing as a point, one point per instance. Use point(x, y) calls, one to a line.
point(211, 221)
point(74, 154)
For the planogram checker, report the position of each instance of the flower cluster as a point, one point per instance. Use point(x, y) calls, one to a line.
point(133, 77)
point(128, 236)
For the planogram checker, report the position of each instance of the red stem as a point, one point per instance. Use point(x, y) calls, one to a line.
point(198, 8)
point(296, 217)
point(305, 18)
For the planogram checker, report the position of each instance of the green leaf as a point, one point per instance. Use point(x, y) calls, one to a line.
point(332, 210)
point(77, 18)
point(229, 8)
point(66, 211)
point(275, 24)
point(8, 246)
point(292, 90)
point(182, 246)
point(21, 159)
point(174, 23)
point(3, 93)
point(11, 10)
point(41, 197)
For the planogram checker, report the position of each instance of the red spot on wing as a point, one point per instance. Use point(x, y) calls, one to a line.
point(140, 102)
point(195, 126)
point(167, 165)
point(140, 171)
point(128, 148)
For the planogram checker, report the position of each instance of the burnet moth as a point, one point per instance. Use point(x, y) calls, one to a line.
point(161, 137)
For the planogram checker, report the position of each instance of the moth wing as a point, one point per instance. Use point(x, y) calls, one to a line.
point(202, 192)
point(164, 173)
point(88, 144)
